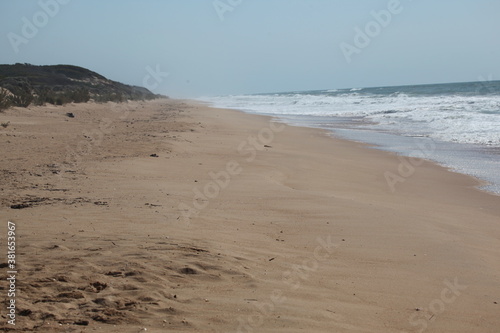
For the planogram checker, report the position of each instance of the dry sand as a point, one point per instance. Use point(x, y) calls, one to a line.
point(219, 233)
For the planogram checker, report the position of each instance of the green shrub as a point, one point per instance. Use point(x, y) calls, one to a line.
point(62, 97)
point(41, 97)
point(80, 96)
point(23, 99)
point(4, 100)
point(110, 97)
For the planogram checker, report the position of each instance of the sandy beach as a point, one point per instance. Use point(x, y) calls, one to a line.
point(172, 216)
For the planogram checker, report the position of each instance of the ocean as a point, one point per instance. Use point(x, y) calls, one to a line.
point(457, 123)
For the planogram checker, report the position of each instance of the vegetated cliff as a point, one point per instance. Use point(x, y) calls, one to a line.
point(24, 84)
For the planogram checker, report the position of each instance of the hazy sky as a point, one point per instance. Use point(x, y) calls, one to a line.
point(212, 47)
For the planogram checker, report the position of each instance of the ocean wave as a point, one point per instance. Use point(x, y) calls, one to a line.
point(463, 116)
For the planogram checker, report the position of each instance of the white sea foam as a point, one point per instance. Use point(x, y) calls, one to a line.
point(459, 118)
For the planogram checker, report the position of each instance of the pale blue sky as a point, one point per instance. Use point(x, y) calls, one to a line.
point(260, 45)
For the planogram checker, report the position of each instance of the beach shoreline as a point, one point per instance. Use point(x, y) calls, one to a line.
point(459, 119)
point(170, 214)
point(467, 159)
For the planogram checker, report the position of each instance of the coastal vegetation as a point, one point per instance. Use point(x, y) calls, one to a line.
point(25, 84)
